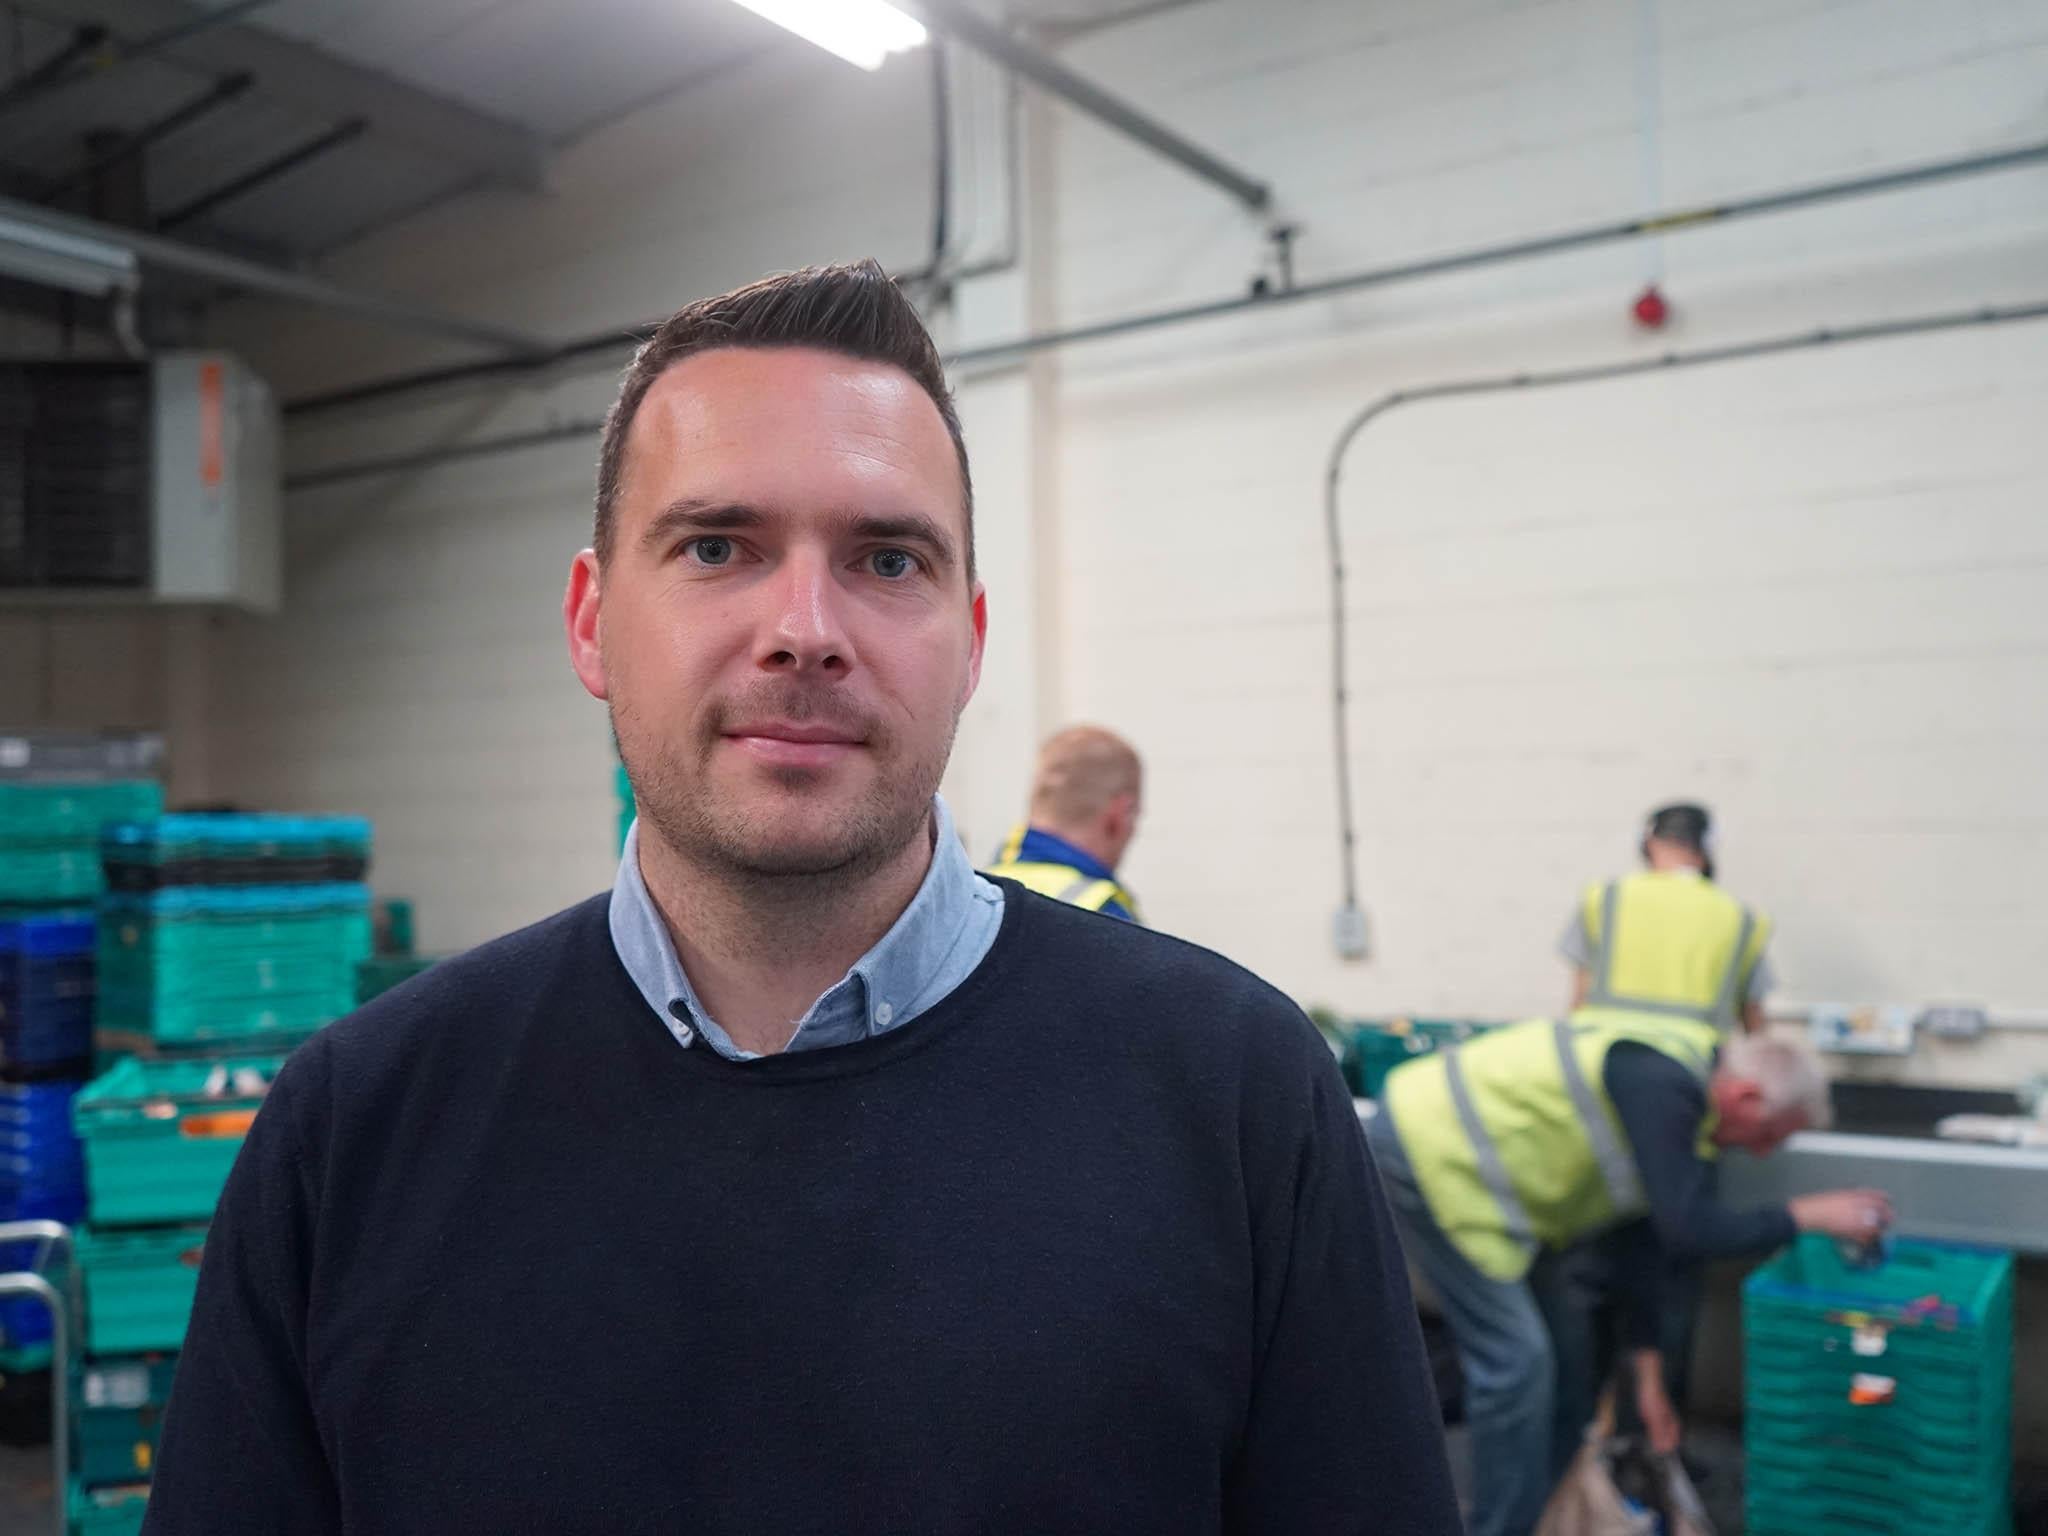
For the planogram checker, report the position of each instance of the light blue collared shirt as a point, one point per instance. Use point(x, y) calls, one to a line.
point(945, 932)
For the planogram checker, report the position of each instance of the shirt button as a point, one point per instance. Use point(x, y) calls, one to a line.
point(883, 1014)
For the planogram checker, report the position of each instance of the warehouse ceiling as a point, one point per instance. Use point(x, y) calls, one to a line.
point(283, 129)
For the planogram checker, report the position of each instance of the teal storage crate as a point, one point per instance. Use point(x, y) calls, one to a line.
point(108, 1511)
point(380, 973)
point(161, 1136)
point(624, 788)
point(204, 963)
point(118, 1418)
point(69, 812)
point(1375, 1047)
point(1878, 1399)
point(50, 875)
point(138, 1287)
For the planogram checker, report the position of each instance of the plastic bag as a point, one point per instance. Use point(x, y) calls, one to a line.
point(1618, 1486)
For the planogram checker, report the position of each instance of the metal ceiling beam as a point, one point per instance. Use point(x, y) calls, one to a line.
point(269, 171)
point(959, 20)
point(218, 95)
point(84, 42)
point(324, 85)
point(155, 252)
point(107, 54)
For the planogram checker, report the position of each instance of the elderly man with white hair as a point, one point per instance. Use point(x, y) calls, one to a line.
point(1501, 1155)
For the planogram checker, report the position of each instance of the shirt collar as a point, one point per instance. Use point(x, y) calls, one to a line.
point(910, 968)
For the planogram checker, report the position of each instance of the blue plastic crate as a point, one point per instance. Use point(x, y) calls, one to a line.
point(47, 982)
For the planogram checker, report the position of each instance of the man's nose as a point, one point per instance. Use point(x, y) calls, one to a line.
point(806, 631)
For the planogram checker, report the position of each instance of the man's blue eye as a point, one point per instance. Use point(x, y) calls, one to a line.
point(892, 564)
point(709, 550)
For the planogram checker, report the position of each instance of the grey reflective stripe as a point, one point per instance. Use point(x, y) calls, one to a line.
point(1484, 1153)
point(1617, 1167)
point(1078, 889)
point(1724, 1005)
point(1603, 979)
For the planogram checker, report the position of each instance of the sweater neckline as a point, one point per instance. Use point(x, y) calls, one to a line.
point(850, 1060)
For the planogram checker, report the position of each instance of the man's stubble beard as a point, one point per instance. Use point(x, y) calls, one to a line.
point(742, 846)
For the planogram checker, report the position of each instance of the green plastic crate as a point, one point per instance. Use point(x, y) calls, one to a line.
point(49, 875)
point(380, 973)
point(158, 1145)
point(1375, 1047)
point(1878, 1400)
point(119, 1418)
point(108, 1511)
point(73, 813)
point(627, 810)
point(227, 965)
point(138, 1287)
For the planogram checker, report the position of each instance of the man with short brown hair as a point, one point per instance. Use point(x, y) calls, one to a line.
point(805, 1182)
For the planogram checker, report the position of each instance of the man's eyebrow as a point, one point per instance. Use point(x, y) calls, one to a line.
point(904, 528)
point(693, 515)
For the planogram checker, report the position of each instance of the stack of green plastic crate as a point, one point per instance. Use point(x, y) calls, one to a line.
point(50, 836)
point(160, 1138)
point(217, 929)
point(195, 964)
point(1374, 1047)
point(1878, 1399)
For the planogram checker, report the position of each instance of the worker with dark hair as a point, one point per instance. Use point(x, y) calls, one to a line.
point(1662, 951)
point(1667, 942)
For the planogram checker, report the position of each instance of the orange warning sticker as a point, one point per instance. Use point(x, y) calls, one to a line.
point(212, 406)
point(1868, 1391)
point(230, 1122)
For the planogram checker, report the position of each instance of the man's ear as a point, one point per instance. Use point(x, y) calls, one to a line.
point(977, 641)
point(581, 609)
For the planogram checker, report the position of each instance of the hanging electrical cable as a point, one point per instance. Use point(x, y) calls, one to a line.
point(1350, 916)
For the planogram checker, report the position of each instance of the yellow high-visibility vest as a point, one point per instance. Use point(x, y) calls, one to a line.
point(1062, 882)
point(1514, 1140)
point(1670, 945)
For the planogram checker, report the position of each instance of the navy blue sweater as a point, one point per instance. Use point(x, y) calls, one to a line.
point(1092, 1246)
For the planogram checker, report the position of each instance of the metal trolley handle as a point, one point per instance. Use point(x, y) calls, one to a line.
point(65, 1311)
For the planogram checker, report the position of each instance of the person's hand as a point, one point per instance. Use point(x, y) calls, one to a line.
point(1653, 1405)
point(1854, 1215)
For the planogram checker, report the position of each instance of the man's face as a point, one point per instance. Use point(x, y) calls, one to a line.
point(784, 627)
point(1745, 1120)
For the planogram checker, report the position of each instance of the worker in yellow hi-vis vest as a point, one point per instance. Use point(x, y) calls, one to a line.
point(1085, 801)
point(1667, 942)
point(1501, 1155)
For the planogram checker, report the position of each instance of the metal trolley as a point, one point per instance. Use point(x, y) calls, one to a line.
point(53, 1280)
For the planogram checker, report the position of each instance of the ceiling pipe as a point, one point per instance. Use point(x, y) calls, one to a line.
point(154, 251)
point(1673, 222)
point(619, 339)
point(959, 20)
point(1349, 919)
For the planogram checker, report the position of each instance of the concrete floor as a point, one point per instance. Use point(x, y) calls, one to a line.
point(24, 1491)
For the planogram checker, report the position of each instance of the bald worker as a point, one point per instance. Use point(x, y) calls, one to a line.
point(1084, 812)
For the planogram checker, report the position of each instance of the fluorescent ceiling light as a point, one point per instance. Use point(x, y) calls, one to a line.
point(863, 32)
point(55, 258)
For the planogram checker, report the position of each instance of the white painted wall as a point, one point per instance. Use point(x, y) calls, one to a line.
point(1805, 590)
point(1802, 589)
